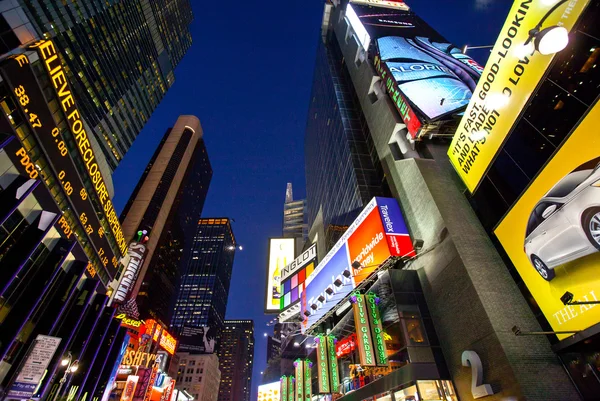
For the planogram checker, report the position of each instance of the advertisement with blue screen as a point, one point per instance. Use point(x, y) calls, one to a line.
point(435, 77)
point(377, 234)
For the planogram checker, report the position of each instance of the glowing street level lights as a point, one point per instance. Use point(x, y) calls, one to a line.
point(71, 368)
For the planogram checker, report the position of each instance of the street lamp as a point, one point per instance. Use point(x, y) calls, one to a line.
point(71, 367)
point(548, 40)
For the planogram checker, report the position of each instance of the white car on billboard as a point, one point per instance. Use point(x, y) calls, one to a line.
point(565, 224)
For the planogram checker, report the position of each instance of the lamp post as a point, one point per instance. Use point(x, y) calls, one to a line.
point(71, 367)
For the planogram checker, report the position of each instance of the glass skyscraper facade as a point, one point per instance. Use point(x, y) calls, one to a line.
point(204, 283)
point(119, 55)
point(342, 169)
point(235, 360)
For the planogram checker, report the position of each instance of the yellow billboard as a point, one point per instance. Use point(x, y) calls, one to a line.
point(281, 253)
point(552, 233)
point(508, 80)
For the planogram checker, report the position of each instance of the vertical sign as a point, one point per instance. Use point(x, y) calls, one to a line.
point(34, 367)
point(291, 388)
point(333, 365)
point(299, 365)
point(361, 323)
point(323, 365)
point(129, 389)
point(284, 389)
point(376, 329)
point(307, 381)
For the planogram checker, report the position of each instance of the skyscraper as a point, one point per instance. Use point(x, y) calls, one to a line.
point(342, 169)
point(204, 286)
point(120, 57)
point(235, 357)
point(166, 202)
point(294, 216)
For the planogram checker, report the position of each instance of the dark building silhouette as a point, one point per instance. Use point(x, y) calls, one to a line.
point(204, 285)
point(167, 202)
point(235, 360)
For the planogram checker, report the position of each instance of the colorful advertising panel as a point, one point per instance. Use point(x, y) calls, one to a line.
point(129, 389)
point(160, 335)
point(52, 62)
point(552, 233)
point(377, 333)
point(363, 332)
point(345, 346)
point(378, 233)
point(322, 365)
point(427, 78)
point(33, 370)
point(294, 275)
point(510, 77)
point(269, 392)
point(281, 253)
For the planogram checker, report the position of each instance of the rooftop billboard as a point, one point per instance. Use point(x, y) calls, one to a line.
point(378, 233)
point(281, 253)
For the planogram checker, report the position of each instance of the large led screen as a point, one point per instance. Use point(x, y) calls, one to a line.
point(378, 233)
point(268, 392)
point(281, 253)
point(427, 78)
point(552, 233)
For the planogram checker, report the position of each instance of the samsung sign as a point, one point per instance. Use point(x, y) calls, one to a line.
point(378, 233)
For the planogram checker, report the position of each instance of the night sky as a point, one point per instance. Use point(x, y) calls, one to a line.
point(248, 77)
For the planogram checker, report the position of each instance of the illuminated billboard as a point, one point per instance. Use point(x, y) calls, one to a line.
point(294, 275)
point(510, 77)
point(269, 392)
point(552, 233)
point(427, 78)
point(136, 252)
point(378, 233)
point(18, 74)
point(281, 253)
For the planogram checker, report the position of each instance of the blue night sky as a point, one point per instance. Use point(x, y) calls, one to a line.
point(248, 78)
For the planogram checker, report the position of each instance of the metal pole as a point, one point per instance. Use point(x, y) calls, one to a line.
point(583, 303)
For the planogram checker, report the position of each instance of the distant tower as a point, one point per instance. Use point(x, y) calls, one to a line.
point(294, 216)
point(235, 357)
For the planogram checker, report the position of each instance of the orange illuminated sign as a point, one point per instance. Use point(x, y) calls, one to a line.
point(162, 336)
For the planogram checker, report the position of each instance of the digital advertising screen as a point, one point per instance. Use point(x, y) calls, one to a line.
point(269, 392)
point(281, 253)
point(552, 233)
point(427, 78)
point(378, 233)
point(510, 77)
point(17, 72)
point(294, 275)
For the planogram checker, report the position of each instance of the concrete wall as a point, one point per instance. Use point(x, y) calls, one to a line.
point(474, 301)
